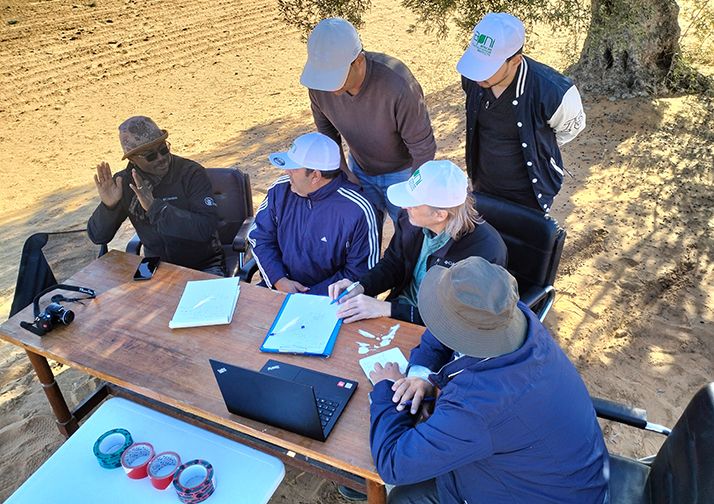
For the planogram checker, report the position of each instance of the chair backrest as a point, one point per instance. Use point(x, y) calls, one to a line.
point(534, 240)
point(231, 190)
point(47, 258)
point(683, 470)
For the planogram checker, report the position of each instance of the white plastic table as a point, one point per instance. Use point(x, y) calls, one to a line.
point(72, 473)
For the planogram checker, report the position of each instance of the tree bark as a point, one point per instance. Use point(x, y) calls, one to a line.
point(630, 49)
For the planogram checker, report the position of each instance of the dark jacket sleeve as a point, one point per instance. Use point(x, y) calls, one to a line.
point(430, 352)
point(199, 222)
point(263, 237)
point(390, 270)
point(104, 223)
point(406, 312)
point(400, 448)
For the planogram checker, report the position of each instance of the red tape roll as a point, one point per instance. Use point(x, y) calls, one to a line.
point(162, 468)
point(135, 460)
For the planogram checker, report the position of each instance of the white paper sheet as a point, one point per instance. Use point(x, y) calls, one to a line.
point(304, 325)
point(391, 355)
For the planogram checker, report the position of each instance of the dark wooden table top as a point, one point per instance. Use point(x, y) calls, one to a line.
point(123, 337)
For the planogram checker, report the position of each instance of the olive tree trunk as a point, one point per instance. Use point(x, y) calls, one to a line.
point(631, 47)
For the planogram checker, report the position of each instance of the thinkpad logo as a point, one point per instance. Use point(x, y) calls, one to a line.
point(273, 368)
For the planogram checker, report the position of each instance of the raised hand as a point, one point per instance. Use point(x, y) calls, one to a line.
point(109, 189)
point(142, 191)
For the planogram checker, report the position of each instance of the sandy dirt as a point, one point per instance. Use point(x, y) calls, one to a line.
point(634, 306)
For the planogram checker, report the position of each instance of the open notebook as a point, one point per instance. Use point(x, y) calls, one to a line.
point(207, 302)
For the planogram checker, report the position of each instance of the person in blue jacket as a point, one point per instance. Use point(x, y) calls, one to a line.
point(314, 226)
point(519, 112)
point(512, 420)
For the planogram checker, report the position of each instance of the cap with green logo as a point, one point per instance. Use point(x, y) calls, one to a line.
point(439, 184)
point(497, 37)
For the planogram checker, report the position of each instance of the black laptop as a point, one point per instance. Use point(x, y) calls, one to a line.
point(291, 397)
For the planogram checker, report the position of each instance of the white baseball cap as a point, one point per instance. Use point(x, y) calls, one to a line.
point(496, 38)
point(331, 48)
point(439, 184)
point(312, 150)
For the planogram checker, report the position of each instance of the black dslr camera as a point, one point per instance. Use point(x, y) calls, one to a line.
point(54, 313)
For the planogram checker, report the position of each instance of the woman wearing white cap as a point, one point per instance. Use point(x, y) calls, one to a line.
point(440, 225)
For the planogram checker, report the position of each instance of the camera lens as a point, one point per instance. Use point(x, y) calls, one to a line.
point(66, 317)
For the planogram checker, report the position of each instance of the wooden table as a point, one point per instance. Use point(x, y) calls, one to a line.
point(123, 338)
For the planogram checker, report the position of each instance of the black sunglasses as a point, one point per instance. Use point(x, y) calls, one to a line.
point(151, 156)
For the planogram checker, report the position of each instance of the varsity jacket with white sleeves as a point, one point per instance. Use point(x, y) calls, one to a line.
point(549, 113)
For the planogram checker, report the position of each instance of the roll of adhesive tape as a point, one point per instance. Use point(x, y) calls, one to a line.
point(194, 481)
point(135, 460)
point(108, 448)
point(162, 469)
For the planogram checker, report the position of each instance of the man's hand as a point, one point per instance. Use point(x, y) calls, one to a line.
point(336, 289)
point(290, 286)
point(109, 190)
point(362, 307)
point(142, 191)
point(390, 371)
point(411, 389)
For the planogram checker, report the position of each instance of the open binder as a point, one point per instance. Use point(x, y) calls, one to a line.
point(305, 325)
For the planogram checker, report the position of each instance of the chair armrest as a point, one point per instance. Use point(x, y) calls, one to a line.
point(621, 413)
point(541, 298)
point(533, 295)
point(134, 245)
point(248, 270)
point(240, 242)
point(628, 415)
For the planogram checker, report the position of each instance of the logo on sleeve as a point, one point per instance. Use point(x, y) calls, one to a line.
point(208, 201)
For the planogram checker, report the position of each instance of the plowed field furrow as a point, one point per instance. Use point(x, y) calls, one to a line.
point(166, 50)
point(137, 35)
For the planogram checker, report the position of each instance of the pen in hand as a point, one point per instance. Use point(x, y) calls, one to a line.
point(345, 292)
point(409, 402)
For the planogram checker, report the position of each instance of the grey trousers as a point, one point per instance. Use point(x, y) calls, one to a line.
point(418, 493)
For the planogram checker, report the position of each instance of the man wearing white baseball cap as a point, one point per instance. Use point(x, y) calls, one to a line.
point(518, 114)
point(314, 226)
point(439, 226)
point(371, 100)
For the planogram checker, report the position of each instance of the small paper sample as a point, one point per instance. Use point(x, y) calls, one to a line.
point(391, 355)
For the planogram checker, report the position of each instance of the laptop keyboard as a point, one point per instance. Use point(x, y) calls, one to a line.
point(326, 409)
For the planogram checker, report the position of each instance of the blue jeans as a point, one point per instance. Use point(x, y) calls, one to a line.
point(375, 188)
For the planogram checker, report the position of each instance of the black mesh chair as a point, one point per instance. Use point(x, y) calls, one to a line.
point(231, 190)
point(534, 242)
point(682, 472)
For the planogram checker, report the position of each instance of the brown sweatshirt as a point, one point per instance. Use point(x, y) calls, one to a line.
point(386, 125)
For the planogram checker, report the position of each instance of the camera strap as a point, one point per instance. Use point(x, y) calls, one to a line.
point(31, 326)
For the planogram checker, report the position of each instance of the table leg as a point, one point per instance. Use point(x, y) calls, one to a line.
point(376, 493)
point(66, 423)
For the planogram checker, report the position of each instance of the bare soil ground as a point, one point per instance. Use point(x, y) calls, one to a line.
point(634, 309)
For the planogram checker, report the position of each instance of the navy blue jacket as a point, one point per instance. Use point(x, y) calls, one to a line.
point(518, 428)
point(316, 240)
point(549, 113)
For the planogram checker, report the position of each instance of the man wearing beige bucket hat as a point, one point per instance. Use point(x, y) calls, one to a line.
point(512, 420)
point(168, 199)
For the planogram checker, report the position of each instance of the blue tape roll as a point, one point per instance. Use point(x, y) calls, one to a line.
point(109, 447)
